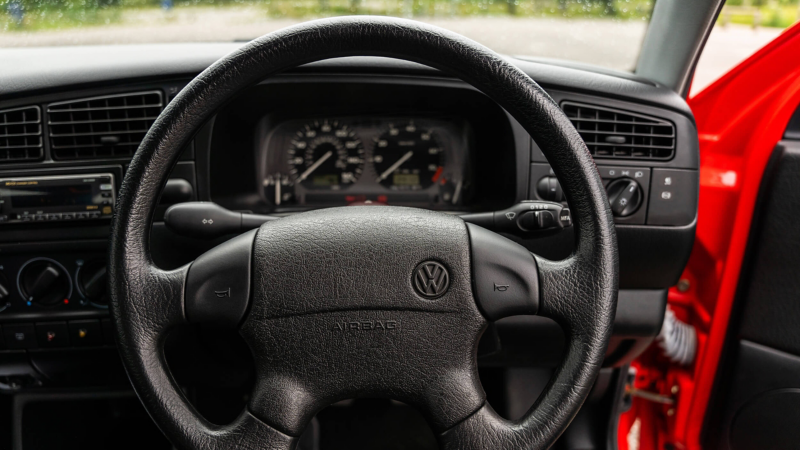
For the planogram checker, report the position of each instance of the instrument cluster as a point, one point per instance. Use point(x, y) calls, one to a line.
point(328, 161)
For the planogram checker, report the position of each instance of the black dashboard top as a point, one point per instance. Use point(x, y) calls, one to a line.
point(30, 71)
point(342, 131)
point(235, 159)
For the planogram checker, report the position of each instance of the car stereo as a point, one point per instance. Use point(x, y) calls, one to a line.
point(57, 198)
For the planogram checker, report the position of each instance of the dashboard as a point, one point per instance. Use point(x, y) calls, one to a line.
point(303, 142)
point(419, 161)
point(350, 131)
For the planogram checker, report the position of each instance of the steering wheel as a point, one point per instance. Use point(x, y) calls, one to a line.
point(364, 301)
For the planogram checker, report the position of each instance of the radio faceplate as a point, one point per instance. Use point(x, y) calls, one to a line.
point(57, 198)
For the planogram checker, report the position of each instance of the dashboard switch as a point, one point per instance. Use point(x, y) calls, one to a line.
point(565, 217)
point(85, 333)
point(526, 217)
point(544, 219)
point(19, 336)
point(528, 220)
point(625, 197)
point(52, 334)
point(673, 198)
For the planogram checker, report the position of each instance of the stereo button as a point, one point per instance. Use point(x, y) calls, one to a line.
point(68, 216)
point(106, 187)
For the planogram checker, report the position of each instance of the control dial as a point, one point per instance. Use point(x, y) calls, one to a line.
point(44, 282)
point(92, 282)
point(5, 295)
point(625, 196)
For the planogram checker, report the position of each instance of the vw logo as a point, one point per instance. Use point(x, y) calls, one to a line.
point(431, 279)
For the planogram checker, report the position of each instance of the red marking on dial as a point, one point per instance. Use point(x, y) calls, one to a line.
point(437, 174)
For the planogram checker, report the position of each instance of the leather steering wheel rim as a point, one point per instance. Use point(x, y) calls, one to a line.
point(579, 293)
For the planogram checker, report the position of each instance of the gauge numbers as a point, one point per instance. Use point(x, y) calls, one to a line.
point(407, 158)
point(325, 155)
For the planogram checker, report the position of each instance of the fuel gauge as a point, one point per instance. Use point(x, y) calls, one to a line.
point(279, 188)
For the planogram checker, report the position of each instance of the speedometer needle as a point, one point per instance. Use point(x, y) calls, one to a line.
point(314, 166)
point(394, 166)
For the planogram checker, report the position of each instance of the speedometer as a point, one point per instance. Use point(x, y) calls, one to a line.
point(325, 155)
point(407, 158)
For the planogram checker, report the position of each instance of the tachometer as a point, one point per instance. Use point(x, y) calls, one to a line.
point(407, 158)
point(325, 155)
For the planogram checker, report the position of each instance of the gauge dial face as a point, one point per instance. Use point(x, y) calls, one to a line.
point(407, 158)
point(325, 155)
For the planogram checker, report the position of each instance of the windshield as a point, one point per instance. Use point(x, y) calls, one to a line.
point(603, 32)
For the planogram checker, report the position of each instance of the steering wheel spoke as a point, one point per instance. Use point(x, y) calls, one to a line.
point(504, 275)
point(218, 283)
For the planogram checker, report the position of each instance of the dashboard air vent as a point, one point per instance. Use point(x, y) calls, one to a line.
point(611, 133)
point(21, 135)
point(111, 126)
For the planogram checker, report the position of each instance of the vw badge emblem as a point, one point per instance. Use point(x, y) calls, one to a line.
point(431, 279)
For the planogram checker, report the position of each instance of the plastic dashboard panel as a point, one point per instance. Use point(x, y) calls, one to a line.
point(651, 256)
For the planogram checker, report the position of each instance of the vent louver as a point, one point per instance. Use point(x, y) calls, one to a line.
point(111, 126)
point(611, 133)
point(21, 135)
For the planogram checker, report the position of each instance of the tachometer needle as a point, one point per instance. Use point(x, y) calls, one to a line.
point(394, 166)
point(314, 166)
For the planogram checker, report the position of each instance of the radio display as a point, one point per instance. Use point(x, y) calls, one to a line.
point(57, 198)
point(47, 196)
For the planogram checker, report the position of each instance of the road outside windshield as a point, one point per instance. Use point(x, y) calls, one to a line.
point(603, 32)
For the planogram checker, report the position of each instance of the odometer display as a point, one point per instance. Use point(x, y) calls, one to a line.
point(405, 179)
point(407, 158)
point(325, 155)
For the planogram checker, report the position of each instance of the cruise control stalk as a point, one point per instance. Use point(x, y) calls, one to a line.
point(208, 220)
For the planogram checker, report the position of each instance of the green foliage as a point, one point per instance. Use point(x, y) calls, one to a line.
point(29, 15)
point(620, 9)
point(777, 14)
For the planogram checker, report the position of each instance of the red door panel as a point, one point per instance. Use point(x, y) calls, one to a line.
point(740, 119)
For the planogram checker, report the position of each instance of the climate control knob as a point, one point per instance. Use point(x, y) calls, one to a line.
point(44, 282)
point(92, 282)
point(625, 196)
point(4, 293)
